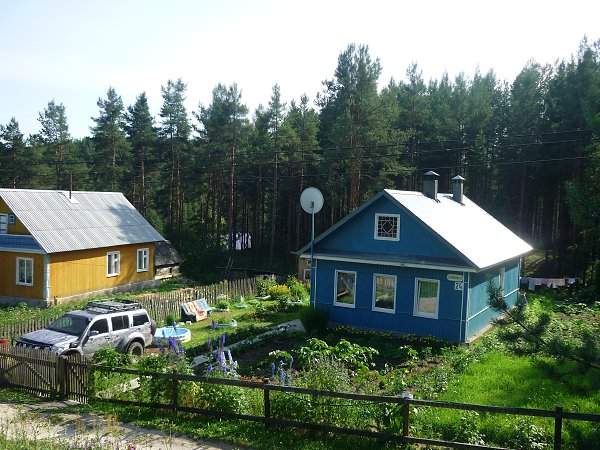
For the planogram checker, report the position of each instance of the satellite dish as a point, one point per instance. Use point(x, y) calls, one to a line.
point(311, 200)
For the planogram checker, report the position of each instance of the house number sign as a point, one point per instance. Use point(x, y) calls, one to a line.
point(454, 277)
point(458, 285)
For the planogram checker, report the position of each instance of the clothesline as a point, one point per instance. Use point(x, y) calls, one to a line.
point(532, 282)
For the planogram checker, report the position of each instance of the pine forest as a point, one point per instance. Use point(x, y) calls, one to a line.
point(527, 148)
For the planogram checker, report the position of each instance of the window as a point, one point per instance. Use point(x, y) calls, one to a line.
point(384, 293)
point(142, 260)
point(25, 271)
point(426, 298)
point(3, 223)
point(345, 288)
point(387, 227)
point(113, 264)
point(140, 319)
point(100, 325)
point(501, 280)
point(119, 322)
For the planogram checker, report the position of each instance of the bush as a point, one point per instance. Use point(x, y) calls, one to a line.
point(298, 290)
point(223, 304)
point(278, 292)
point(314, 319)
point(263, 285)
point(169, 320)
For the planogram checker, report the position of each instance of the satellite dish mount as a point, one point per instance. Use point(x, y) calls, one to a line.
point(312, 201)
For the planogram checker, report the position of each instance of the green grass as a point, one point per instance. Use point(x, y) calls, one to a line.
point(249, 324)
point(500, 379)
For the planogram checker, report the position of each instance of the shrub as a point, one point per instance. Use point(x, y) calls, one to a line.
point(314, 319)
point(278, 292)
point(169, 320)
point(297, 289)
point(223, 304)
point(354, 357)
point(263, 285)
point(106, 383)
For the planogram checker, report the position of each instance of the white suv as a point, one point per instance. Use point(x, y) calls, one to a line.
point(122, 325)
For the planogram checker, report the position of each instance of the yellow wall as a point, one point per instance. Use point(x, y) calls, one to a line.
point(8, 276)
point(85, 270)
point(18, 227)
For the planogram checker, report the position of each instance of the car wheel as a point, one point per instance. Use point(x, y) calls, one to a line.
point(135, 349)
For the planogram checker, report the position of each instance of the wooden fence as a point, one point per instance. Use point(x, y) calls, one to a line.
point(50, 375)
point(158, 304)
point(44, 373)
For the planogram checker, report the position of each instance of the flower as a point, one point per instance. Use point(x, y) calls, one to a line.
point(209, 370)
point(291, 360)
point(214, 325)
point(223, 339)
point(209, 343)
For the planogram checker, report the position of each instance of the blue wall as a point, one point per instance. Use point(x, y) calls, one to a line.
point(446, 326)
point(479, 314)
point(357, 235)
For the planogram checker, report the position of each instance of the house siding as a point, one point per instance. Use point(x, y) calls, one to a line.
point(415, 239)
point(84, 271)
point(446, 326)
point(8, 276)
point(18, 227)
point(479, 314)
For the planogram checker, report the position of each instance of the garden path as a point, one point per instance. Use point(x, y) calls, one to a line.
point(22, 423)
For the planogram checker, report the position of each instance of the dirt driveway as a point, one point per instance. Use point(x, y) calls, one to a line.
point(84, 430)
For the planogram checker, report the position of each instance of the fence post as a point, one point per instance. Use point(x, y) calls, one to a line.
point(558, 427)
point(267, 401)
point(405, 411)
point(175, 391)
point(61, 377)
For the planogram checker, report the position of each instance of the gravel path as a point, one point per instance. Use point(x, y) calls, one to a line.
point(22, 422)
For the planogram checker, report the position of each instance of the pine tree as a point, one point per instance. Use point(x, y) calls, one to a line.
point(56, 140)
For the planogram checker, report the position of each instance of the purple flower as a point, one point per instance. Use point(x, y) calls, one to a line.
point(229, 356)
point(223, 339)
point(214, 325)
point(273, 367)
point(209, 370)
point(209, 343)
point(291, 360)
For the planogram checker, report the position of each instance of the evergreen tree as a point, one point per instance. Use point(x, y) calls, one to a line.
point(15, 172)
point(113, 152)
point(143, 140)
point(56, 140)
point(174, 132)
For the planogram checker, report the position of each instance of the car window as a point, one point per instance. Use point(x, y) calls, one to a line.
point(119, 322)
point(100, 325)
point(140, 319)
point(69, 324)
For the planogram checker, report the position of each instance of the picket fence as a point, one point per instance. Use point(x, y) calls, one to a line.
point(158, 304)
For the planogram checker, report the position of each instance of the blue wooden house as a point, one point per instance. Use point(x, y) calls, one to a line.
point(416, 262)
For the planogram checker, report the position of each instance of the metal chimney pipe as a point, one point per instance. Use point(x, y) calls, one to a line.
point(430, 184)
point(457, 189)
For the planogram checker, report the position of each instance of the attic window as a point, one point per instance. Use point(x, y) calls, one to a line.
point(387, 227)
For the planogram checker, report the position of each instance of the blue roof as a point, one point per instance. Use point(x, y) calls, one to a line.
point(20, 242)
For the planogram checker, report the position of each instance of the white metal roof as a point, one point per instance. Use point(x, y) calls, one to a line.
point(86, 220)
point(468, 228)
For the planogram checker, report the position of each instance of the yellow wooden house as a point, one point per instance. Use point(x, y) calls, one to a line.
point(58, 246)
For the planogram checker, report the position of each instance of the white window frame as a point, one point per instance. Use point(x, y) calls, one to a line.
point(335, 302)
point(113, 265)
point(384, 238)
point(3, 223)
point(385, 310)
point(27, 262)
point(145, 252)
point(416, 311)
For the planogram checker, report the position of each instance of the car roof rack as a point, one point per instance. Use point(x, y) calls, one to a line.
point(113, 306)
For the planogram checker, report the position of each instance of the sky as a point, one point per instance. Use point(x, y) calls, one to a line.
point(72, 51)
